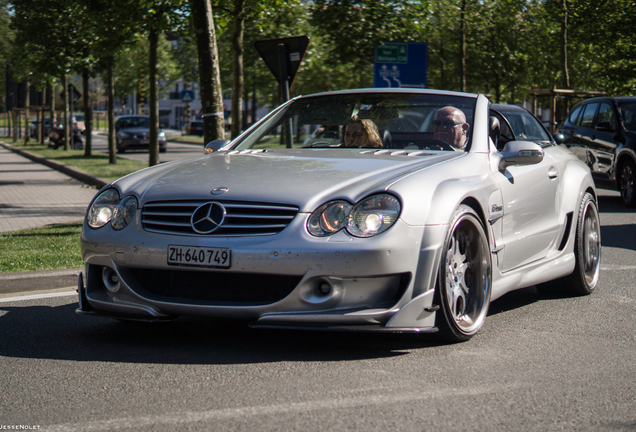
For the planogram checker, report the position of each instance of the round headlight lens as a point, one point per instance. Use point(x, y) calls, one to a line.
point(102, 209)
point(373, 215)
point(329, 218)
point(124, 213)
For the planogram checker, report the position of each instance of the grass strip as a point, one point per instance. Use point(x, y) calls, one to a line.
point(97, 164)
point(47, 248)
point(190, 139)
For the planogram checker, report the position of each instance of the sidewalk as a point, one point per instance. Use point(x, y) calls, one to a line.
point(34, 195)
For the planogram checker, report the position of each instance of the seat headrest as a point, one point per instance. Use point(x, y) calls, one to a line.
point(495, 129)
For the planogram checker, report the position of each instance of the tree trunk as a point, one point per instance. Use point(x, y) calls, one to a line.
point(565, 76)
point(88, 115)
point(237, 83)
point(53, 120)
point(27, 101)
point(209, 74)
point(462, 47)
point(67, 117)
point(110, 88)
point(153, 103)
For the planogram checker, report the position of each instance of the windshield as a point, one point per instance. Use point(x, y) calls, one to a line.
point(628, 114)
point(134, 122)
point(524, 126)
point(366, 120)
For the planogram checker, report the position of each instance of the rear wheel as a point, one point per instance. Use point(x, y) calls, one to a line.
point(626, 183)
point(587, 253)
point(464, 284)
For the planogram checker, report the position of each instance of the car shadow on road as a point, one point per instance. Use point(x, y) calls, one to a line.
point(58, 333)
point(617, 236)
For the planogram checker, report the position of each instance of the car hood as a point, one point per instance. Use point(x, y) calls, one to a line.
point(305, 178)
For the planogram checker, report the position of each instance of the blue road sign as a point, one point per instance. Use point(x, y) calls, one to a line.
point(401, 64)
point(187, 95)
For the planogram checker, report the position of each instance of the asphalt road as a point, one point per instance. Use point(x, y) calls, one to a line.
point(176, 151)
point(539, 364)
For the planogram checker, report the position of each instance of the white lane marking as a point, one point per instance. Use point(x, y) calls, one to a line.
point(618, 267)
point(38, 296)
point(185, 417)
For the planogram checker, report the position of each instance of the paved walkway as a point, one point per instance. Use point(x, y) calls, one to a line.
point(33, 195)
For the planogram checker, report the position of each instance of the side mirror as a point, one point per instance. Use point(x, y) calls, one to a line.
point(604, 126)
point(520, 153)
point(215, 145)
point(559, 138)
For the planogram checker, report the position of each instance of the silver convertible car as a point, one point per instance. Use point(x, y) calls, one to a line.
point(431, 205)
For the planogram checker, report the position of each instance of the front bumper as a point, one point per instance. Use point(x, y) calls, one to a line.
point(338, 283)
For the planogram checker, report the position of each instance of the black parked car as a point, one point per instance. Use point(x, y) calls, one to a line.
point(602, 133)
point(196, 127)
point(133, 133)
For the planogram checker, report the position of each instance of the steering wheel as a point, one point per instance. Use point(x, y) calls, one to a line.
point(435, 144)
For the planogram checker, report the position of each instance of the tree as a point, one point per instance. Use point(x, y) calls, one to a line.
point(354, 28)
point(6, 38)
point(159, 17)
point(46, 47)
point(114, 22)
point(209, 75)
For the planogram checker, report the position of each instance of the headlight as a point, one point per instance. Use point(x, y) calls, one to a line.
point(162, 136)
point(329, 218)
point(371, 216)
point(123, 135)
point(108, 208)
point(124, 213)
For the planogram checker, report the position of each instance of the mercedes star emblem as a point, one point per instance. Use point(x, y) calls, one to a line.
point(208, 217)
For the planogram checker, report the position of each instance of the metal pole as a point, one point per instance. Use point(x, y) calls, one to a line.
point(284, 91)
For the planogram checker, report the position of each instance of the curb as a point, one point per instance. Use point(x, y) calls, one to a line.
point(38, 280)
point(75, 173)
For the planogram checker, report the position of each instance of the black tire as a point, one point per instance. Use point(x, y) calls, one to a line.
point(627, 171)
point(163, 149)
point(587, 253)
point(465, 278)
point(121, 150)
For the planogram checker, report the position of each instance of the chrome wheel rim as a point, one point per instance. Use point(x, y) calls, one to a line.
point(591, 247)
point(627, 183)
point(467, 276)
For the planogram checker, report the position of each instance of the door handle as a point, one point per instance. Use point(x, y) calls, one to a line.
point(553, 173)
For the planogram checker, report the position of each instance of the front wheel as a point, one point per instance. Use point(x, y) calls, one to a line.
point(465, 278)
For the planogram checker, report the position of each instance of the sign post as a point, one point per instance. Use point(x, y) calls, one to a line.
point(401, 64)
point(283, 57)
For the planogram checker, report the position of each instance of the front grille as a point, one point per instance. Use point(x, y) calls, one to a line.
point(213, 288)
point(242, 218)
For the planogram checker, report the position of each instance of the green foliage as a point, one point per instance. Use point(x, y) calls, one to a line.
point(131, 63)
point(51, 37)
point(352, 29)
point(511, 45)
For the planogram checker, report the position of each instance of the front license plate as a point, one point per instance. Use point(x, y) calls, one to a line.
point(144, 142)
point(198, 256)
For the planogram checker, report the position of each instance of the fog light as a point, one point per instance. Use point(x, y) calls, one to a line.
point(110, 279)
point(324, 287)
